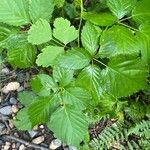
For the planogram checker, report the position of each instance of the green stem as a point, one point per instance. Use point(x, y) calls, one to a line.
point(82, 9)
point(59, 43)
point(128, 26)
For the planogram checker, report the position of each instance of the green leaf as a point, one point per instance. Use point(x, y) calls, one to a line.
point(59, 3)
point(90, 38)
point(90, 79)
point(26, 98)
point(120, 8)
point(22, 56)
point(113, 44)
point(145, 29)
point(40, 32)
point(39, 111)
point(101, 19)
point(69, 125)
point(48, 56)
point(77, 97)
point(22, 121)
point(63, 31)
point(62, 75)
point(41, 9)
point(141, 13)
point(42, 84)
point(125, 75)
point(14, 12)
point(76, 58)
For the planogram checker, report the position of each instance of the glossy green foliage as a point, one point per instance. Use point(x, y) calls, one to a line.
point(91, 58)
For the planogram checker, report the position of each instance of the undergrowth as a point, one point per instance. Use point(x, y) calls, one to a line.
point(93, 59)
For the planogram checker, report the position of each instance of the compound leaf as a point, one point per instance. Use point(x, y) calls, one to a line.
point(39, 111)
point(14, 12)
point(90, 38)
point(76, 58)
point(40, 32)
point(77, 97)
point(112, 44)
point(62, 75)
point(90, 79)
point(22, 121)
point(69, 125)
point(120, 8)
point(101, 19)
point(22, 56)
point(49, 55)
point(63, 31)
point(42, 84)
point(125, 75)
point(41, 9)
point(141, 13)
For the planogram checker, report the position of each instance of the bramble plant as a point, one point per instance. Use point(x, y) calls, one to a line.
point(97, 54)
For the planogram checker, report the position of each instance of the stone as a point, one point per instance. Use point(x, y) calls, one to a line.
point(38, 140)
point(21, 88)
point(5, 71)
point(12, 86)
point(32, 133)
point(14, 108)
point(22, 147)
point(13, 100)
point(2, 129)
point(6, 110)
point(55, 144)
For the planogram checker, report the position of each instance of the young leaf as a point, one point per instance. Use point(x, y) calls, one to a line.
point(41, 9)
point(48, 56)
point(22, 56)
point(101, 19)
point(76, 58)
point(112, 44)
point(14, 12)
point(63, 31)
point(77, 97)
point(26, 98)
point(120, 8)
point(141, 13)
point(69, 125)
point(42, 84)
point(125, 75)
point(90, 38)
point(63, 75)
point(40, 110)
point(90, 79)
point(22, 121)
point(59, 3)
point(40, 32)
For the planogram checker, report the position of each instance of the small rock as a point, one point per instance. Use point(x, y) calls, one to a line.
point(21, 88)
point(13, 145)
point(2, 129)
point(32, 133)
point(6, 147)
point(12, 86)
point(22, 147)
point(72, 148)
point(5, 71)
point(6, 110)
point(41, 127)
point(12, 100)
point(21, 77)
point(14, 108)
point(55, 144)
point(38, 140)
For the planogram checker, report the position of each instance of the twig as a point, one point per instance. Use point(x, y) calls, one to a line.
point(28, 144)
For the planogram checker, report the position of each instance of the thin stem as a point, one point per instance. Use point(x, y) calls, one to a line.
point(100, 62)
point(128, 26)
point(82, 9)
point(59, 43)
